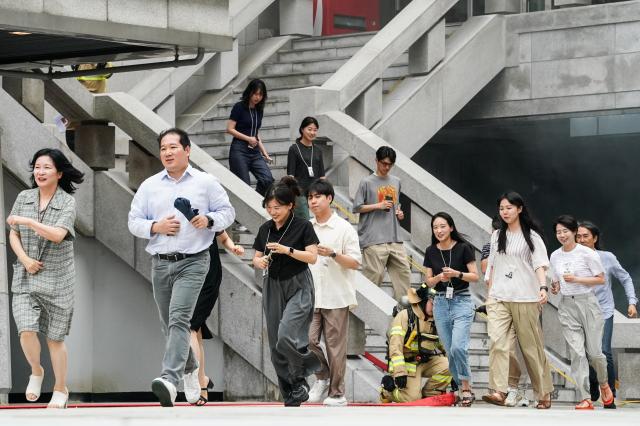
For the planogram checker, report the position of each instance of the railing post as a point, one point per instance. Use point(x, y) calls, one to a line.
point(367, 108)
point(428, 51)
point(141, 164)
point(502, 6)
point(221, 69)
point(95, 144)
point(29, 92)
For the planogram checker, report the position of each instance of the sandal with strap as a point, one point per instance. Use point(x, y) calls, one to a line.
point(202, 400)
point(34, 387)
point(59, 399)
point(605, 391)
point(544, 404)
point(585, 404)
point(495, 398)
point(468, 398)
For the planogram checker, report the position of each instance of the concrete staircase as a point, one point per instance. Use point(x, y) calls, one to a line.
point(301, 63)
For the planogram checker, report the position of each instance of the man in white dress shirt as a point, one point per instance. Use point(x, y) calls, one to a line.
point(179, 248)
point(334, 277)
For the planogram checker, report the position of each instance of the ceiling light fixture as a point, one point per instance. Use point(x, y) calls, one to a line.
point(19, 33)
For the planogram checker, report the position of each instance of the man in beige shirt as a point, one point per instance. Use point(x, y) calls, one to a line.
point(333, 277)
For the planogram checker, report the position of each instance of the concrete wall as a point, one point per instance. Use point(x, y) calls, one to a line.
point(564, 61)
point(115, 332)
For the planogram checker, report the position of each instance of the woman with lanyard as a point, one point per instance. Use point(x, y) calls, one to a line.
point(589, 236)
point(450, 267)
point(42, 236)
point(285, 245)
point(304, 163)
point(516, 275)
point(244, 125)
point(576, 270)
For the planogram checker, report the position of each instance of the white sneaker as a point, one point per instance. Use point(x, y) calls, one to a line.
point(335, 401)
point(319, 390)
point(165, 391)
point(515, 398)
point(192, 387)
point(241, 228)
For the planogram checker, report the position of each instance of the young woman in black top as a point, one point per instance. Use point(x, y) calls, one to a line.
point(305, 163)
point(285, 245)
point(247, 152)
point(450, 267)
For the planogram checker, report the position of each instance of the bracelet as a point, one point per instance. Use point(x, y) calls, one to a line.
point(545, 288)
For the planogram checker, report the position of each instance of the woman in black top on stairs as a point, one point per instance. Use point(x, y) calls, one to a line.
point(247, 152)
point(304, 162)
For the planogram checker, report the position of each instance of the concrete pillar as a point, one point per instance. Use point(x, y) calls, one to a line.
point(29, 92)
point(357, 172)
point(95, 144)
point(327, 151)
point(296, 17)
point(570, 3)
point(367, 108)
point(628, 372)
point(167, 110)
point(356, 338)
point(141, 164)
point(502, 6)
point(428, 51)
point(5, 336)
point(221, 69)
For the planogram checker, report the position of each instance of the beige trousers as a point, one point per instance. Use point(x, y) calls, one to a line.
point(333, 323)
point(393, 257)
point(524, 319)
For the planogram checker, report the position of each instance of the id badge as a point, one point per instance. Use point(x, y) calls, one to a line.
point(265, 272)
point(310, 170)
point(449, 293)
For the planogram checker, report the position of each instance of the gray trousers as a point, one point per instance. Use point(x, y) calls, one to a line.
point(288, 308)
point(176, 286)
point(582, 327)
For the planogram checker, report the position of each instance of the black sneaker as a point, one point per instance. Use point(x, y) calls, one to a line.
point(298, 395)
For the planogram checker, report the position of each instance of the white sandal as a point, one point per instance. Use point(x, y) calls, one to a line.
point(34, 387)
point(59, 399)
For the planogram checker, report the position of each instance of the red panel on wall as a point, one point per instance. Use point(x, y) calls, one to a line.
point(346, 16)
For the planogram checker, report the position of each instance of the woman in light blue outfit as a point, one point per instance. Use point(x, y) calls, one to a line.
point(589, 236)
point(450, 266)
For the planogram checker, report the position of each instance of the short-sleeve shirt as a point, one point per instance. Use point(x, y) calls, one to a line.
point(486, 251)
point(580, 262)
point(457, 258)
point(248, 120)
point(378, 226)
point(299, 158)
point(513, 272)
point(297, 233)
point(57, 277)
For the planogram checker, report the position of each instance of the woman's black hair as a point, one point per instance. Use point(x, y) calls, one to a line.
point(305, 122)
point(495, 222)
point(284, 192)
point(567, 221)
point(455, 235)
point(70, 174)
point(253, 87)
point(595, 232)
point(527, 222)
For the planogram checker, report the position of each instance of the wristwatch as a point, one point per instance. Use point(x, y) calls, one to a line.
point(460, 275)
point(333, 255)
point(210, 223)
point(290, 251)
point(545, 288)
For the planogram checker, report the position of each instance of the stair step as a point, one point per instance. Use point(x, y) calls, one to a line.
point(221, 150)
point(315, 65)
point(279, 159)
point(220, 136)
point(316, 53)
point(357, 39)
point(271, 106)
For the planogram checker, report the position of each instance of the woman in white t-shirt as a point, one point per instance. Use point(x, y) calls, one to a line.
point(516, 272)
point(576, 269)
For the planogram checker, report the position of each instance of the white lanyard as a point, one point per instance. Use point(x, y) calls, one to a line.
point(254, 127)
point(269, 256)
point(309, 167)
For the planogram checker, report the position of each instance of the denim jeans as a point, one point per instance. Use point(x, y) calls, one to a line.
point(606, 350)
point(453, 321)
point(243, 160)
point(176, 286)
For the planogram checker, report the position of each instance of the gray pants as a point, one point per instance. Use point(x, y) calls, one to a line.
point(176, 286)
point(288, 308)
point(582, 327)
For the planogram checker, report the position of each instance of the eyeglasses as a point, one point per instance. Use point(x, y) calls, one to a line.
point(386, 163)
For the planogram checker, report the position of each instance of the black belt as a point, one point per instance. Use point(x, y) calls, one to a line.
point(174, 257)
point(462, 293)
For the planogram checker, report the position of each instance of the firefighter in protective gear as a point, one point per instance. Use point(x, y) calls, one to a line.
point(415, 352)
point(94, 83)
